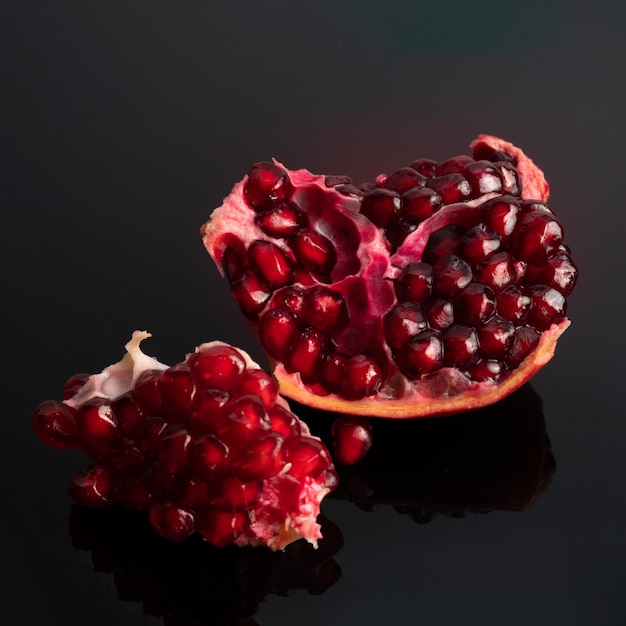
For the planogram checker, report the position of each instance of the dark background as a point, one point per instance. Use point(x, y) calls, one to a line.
point(123, 123)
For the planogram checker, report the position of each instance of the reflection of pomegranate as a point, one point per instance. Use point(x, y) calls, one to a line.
point(194, 582)
point(500, 459)
point(439, 288)
point(206, 445)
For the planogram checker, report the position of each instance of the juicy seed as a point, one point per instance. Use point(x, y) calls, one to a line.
point(558, 271)
point(208, 410)
point(441, 243)
point(73, 384)
point(421, 355)
point(495, 338)
point(403, 322)
point(452, 188)
point(177, 391)
point(363, 377)
point(244, 418)
point(460, 346)
point(308, 457)
point(381, 206)
point(419, 203)
point(486, 371)
point(536, 236)
point(452, 274)
point(483, 177)
point(333, 370)
point(93, 486)
point(415, 282)
point(267, 185)
point(218, 367)
point(404, 179)
point(475, 304)
point(524, 342)
point(314, 251)
point(499, 215)
point(307, 354)
point(352, 439)
point(278, 332)
point(547, 306)
point(439, 312)
point(398, 231)
point(289, 299)
point(147, 394)
point(173, 448)
point(172, 522)
point(210, 457)
point(219, 528)
point(259, 383)
point(478, 243)
point(282, 221)
point(250, 291)
point(233, 264)
point(261, 459)
point(426, 167)
point(497, 271)
point(128, 414)
point(271, 263)
point(53, 422)
point(97, 426)
point(284, 422)
point(512, 304)
point(453, 165)
point(325, 310)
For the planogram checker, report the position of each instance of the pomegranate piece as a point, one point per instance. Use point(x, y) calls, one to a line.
point(437, 289)
point(204, 446)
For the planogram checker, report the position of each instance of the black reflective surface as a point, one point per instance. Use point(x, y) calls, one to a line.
point(122, 124)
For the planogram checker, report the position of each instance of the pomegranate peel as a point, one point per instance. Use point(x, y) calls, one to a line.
point(204, 446)
point(438, 289)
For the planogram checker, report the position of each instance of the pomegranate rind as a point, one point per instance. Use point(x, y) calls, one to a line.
point(460, 395)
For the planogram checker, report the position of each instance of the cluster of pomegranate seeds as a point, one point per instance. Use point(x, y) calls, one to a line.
point(455, 267)
point(206, 445)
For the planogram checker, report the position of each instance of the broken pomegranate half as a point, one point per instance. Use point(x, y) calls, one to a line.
point(206, 445)
point(437, 289)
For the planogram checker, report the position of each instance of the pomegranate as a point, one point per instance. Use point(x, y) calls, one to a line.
point(206, 445)
point(437, 289)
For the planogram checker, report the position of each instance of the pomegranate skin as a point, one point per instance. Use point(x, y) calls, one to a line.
point(206, 446)
point(435, 251)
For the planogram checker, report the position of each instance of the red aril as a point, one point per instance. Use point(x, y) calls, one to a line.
point(439, 288)
point(206, 445)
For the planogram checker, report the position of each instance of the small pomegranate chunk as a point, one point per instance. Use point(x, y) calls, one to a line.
point(204, 446)
point(438, 288)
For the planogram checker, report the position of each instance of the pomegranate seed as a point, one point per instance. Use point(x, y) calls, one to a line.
point(235, 495)
point(314, 251)
point(404, 179)
point(381, 206)
point(486, 371)
point(475, 304)
point(524, 342)
point(419, 203)
point(512, 304)
point(452, 274)
point(398, 231)
point(442, 242)
point(308, 353)
point(452, 188)
point(425, 167)
point(133, 495)
point(174, 448)
point(210, 457)
point(495, 338)
point(267, 185)
point(460, 346)
point(332, 371)
point(478, 243)
point(325, 310)
point(250, 291)
point(271, 263)
point(128, 457)
point(510, 178)
point(53, 422)
point(147, 393)
point(497, 271)
point(308, 457)
point(439, 312)
point(453, 165)
point(218, 367)
point(244, 418)
point(208, 410)
point(558, 271)
point(421, 355)
point(536, 236)
point(151, 430)
point(499, 215)
point(194, 493)
point(282, 221)
point(177, 391)
point(261, 384)
point(93, 486)
point(278, 331)
point(160, 481)
point(284, 422)
point(97, 426)
point(219, 528)
point(171, 522)
point(333, 181)
point(128, 413)
point(403, 322)
point(414, 284)
point(547, 306)
point(233, 264)
point(261, 459)
point(483, 177)
point(352, 439)
point(74, 384)
point(290, 299)
point(363, 377)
